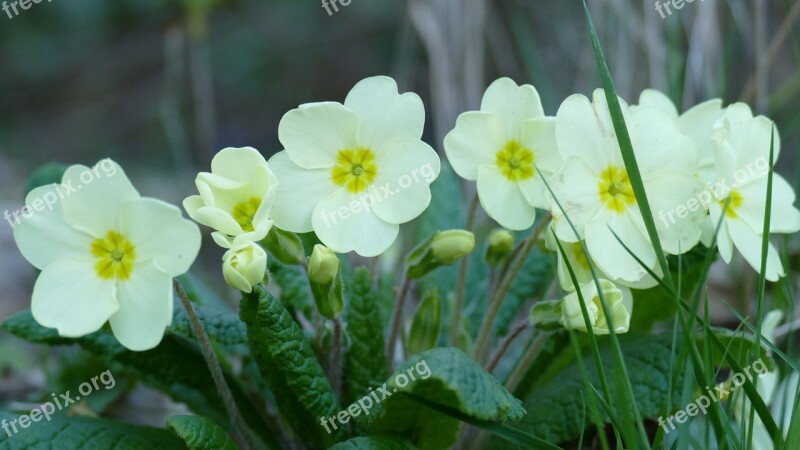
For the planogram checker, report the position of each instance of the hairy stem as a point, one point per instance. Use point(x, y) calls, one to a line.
point(504, 345)
point(455, 328)
point(525, 362)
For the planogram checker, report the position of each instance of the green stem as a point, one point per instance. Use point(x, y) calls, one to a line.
point(455, 328)
point(397, 318)
point(525, 362)
point(504, 345)
point(242, 432)
point(336, 358)
point(482, 342)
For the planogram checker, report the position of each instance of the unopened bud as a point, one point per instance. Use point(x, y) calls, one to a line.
point(501, 244)
point(244, 266)
point(284, 246)
point(451, 245)
point(618, 303)
point(323, 265)
point(427, 323)
point(324, 272)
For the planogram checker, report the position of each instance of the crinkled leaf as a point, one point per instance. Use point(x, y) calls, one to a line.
point(200, 433)
point(223, 328)
point(377, 442)
point(293, 283)
point(288, 364)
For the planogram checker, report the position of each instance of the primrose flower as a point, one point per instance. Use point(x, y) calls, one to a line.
point(352, 173)
point(596, 193)
point(500, 146)
point(619, 302)
point(742, 144)
point(106, 255)
point(236, 197)
point(244, 266)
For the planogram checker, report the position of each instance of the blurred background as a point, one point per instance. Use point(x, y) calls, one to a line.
point(160, 86)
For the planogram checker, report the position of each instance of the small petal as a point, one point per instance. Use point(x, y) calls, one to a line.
point(474, 142)
point(406, 170)
point(512, 103)
point(651, 98)
point(749, 245)
point(299, 192)
point(145, 308)
point(314, 134)
point(503, 201)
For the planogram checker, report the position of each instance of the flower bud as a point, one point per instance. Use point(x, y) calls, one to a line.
point(501, 243)
point(244, 266)
point(619, 303)
point(451, 245)
point(284, 246)
point(323, 265)
point(427, 323)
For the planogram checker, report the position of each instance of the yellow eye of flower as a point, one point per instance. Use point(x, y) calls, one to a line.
point(244, 212)
point(515, 161)
point(615, 189)
point(354, 169)
point(114, 256)
point(735, 203)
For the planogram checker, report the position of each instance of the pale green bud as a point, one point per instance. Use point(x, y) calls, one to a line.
point(451, 245)
point(244, 266)
point(618, 302)
point(323, 265)
point(324, 273)
point(501, 244)
point(427, 323)
point(284, 246)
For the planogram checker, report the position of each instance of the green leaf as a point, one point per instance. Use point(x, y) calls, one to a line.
point(86, 434)
point(293, 283)
point(556, 408)
point(176, 367)
point(365, 358)
point(448, 377)
point(377, 442)
point(289, 366)
point(200, 433)
point(534, 277)
point(223, 328)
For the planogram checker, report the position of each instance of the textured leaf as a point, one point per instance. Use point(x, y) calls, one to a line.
point(295, 292)
point(200, 433)
point(377, 442)
point(223, 328)
point(289, 366)
point(85, 434)
point(365, 360)
point(556, 408)
point(176, 367)
point(448, 377)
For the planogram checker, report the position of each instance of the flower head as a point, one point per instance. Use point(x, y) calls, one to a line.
point(244, 266)
point(353, 172)
point(500, 147)
point(236, 197)
point(619, 303)
point(106, 255)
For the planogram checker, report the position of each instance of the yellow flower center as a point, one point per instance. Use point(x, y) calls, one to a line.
point(244, 212)
point(615, 189)
point(515, 161)
point(735, 202)
point(114, 256)
point(355, 169)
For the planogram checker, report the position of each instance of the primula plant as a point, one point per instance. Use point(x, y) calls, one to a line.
point(377, 313)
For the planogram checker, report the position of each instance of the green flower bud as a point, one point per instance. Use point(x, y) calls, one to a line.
point(426, 324)
point(619, 303)
point(284, 246)
point(323, 265)
point(501, 244)
point(451, 245)
point(324, 273)
point(244, 266)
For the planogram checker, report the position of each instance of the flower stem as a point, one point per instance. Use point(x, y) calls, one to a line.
point(502, 348)
point(397, 318)
point(525, 362)
point(336, 358)
point(242, 432)
point(484, 335)
point(455, 327)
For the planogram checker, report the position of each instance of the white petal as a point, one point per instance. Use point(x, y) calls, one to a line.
point(385, 114)
point(512, 103)
point(679, 210)
point(70, 297)
point(100, 192)
point(698, 123)
point(402, 188)
point(539, 135)
point(651, 98)
point(210, 216)
point(242, 164)
point(299, 191)
point(575, 188)
point(314, 134)
point(161, 234)
point(503, 200)
point(610, 256)
point(474, 142)
point(44, 236)
point(785, 218)
point(659, 146)
point(145, 308)
point(582, 130)
point(749, 245)
point(344, 229)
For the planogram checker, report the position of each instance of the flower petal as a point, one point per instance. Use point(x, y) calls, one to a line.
point(402, 188)
point(584, 130)
point(161, 234)
point(503, 200)
point(44, 237)
point(145, 308)
point(610, 256)
point(345, 228)
point(100, 192)
point(512, 103)
point(385, 114)
point(575, 188)
point(70, 297)
point(749, 245)
point(785, 217)
point(474, 142)
point(313, 134)
point(299, 191)
point(651, 98)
